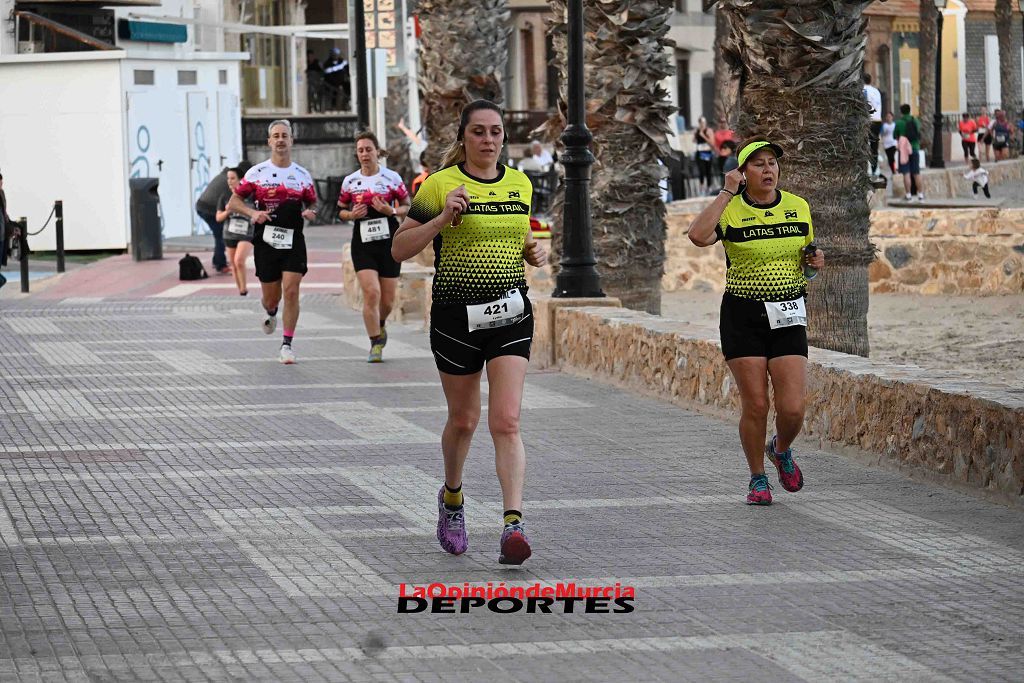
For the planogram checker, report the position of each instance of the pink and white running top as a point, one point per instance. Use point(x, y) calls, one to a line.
point(272, 186)
point(361, 189)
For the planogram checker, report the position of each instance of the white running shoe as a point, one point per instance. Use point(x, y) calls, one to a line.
point(287, 355)
point(920, 196)
point(908, 197)
point(269, 324)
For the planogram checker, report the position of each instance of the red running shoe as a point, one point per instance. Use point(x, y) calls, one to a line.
point(760, 491)
point(790, 476)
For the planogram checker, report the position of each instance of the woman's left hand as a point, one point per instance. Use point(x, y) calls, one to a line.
point(535, 254)
point(382, 206)
point(817, 261)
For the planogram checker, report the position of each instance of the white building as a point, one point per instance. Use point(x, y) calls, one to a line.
point(79, 123)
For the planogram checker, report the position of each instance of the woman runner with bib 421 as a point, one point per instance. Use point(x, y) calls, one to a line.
point(477, 214)
point(368, 197)
point(769, 255)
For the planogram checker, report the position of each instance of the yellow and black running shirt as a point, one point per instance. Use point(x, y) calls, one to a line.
point(481, 258)
point(764, 246)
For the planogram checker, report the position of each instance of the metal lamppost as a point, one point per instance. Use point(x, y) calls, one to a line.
point(937, 160)
point(358, 32)
point(578, 274)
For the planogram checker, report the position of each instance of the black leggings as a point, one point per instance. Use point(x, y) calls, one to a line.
point(704, 166)
point(890, 153)
point(968, 149)
point(983, 187)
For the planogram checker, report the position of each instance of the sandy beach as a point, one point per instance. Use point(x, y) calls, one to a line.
point(980, 336)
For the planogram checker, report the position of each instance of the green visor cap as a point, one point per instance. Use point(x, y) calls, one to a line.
point(753, 147)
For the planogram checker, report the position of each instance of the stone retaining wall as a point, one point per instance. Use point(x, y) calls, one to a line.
point(920, 251)
point(956, 429)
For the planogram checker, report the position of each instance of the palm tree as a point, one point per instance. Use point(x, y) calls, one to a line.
point(801, 85)
point(463, 52)
point(726, 80)
point(626, 57)
point(1009, 67)
point(927, 38)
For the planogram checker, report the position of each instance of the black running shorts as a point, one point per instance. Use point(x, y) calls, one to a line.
point(375, 256)
point(271, 263)
point(457, 351)
point(746, 332)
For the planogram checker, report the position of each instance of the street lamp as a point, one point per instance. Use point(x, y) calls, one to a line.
point(578, 274)
point(937, 151)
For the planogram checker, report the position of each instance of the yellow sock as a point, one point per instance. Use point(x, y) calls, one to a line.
point(453, 497)
point(513, 517)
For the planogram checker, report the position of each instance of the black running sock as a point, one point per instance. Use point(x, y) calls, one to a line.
point(513, 517)
point(273, 312)
point(376, 340)
point(453, 498)
point(287, 340)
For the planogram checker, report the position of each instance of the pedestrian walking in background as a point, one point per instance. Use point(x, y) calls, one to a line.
point(984, 134)
point(9, 231)
point(375, 199)
point(704, 139)
point(968, 135)
point(722, 133)
point(238, 231)
point(888, 138)
point(978, 177)
point(908, 136)
point(1002, 136)
point(206, 207)
point(874, 100)
point(766, 233)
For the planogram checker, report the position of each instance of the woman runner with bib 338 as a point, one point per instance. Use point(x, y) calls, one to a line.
point(477, 214)
point(368, 198)
point(769, 254)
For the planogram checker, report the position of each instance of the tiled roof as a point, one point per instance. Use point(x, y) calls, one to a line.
point(894, 8)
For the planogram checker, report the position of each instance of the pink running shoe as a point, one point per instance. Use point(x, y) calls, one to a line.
point(760, 491)
point(790, 476)
point(451, 527)
point(515, 546)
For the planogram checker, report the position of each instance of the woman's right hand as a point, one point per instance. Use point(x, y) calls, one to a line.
point(455, 203)
point(733, 180)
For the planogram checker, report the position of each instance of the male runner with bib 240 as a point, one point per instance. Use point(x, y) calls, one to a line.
point(282, 192)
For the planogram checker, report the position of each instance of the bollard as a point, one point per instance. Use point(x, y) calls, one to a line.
point(58, 209)
point(23, 254)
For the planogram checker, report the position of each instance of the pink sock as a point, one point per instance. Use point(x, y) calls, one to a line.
point(289, 333)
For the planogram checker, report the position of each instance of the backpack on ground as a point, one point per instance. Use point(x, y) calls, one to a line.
point(191, 268)
point(911, 131)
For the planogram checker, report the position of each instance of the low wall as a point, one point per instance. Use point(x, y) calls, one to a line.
point(920, 251)
point(957, 430)
point(938, 183)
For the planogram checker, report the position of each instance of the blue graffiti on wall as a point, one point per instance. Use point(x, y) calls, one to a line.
point(202, 170)
point(140, 164)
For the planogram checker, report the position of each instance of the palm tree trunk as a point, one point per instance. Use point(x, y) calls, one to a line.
point(927, 37)
point(727, 83)
point(463, 52)
point(1009, 67)
point(626, 57)
point(801, 85)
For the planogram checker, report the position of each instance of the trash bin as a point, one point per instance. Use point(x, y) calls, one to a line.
point(144, 208)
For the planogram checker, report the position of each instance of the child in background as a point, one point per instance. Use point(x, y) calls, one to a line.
point(979, 177)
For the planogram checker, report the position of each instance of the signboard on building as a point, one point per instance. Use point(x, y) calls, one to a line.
point(385, 28)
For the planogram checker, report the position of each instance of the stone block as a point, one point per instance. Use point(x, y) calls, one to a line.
point(959, 429)
point(546, 332)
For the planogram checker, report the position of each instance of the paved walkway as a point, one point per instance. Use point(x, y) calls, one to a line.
point(176, 505)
